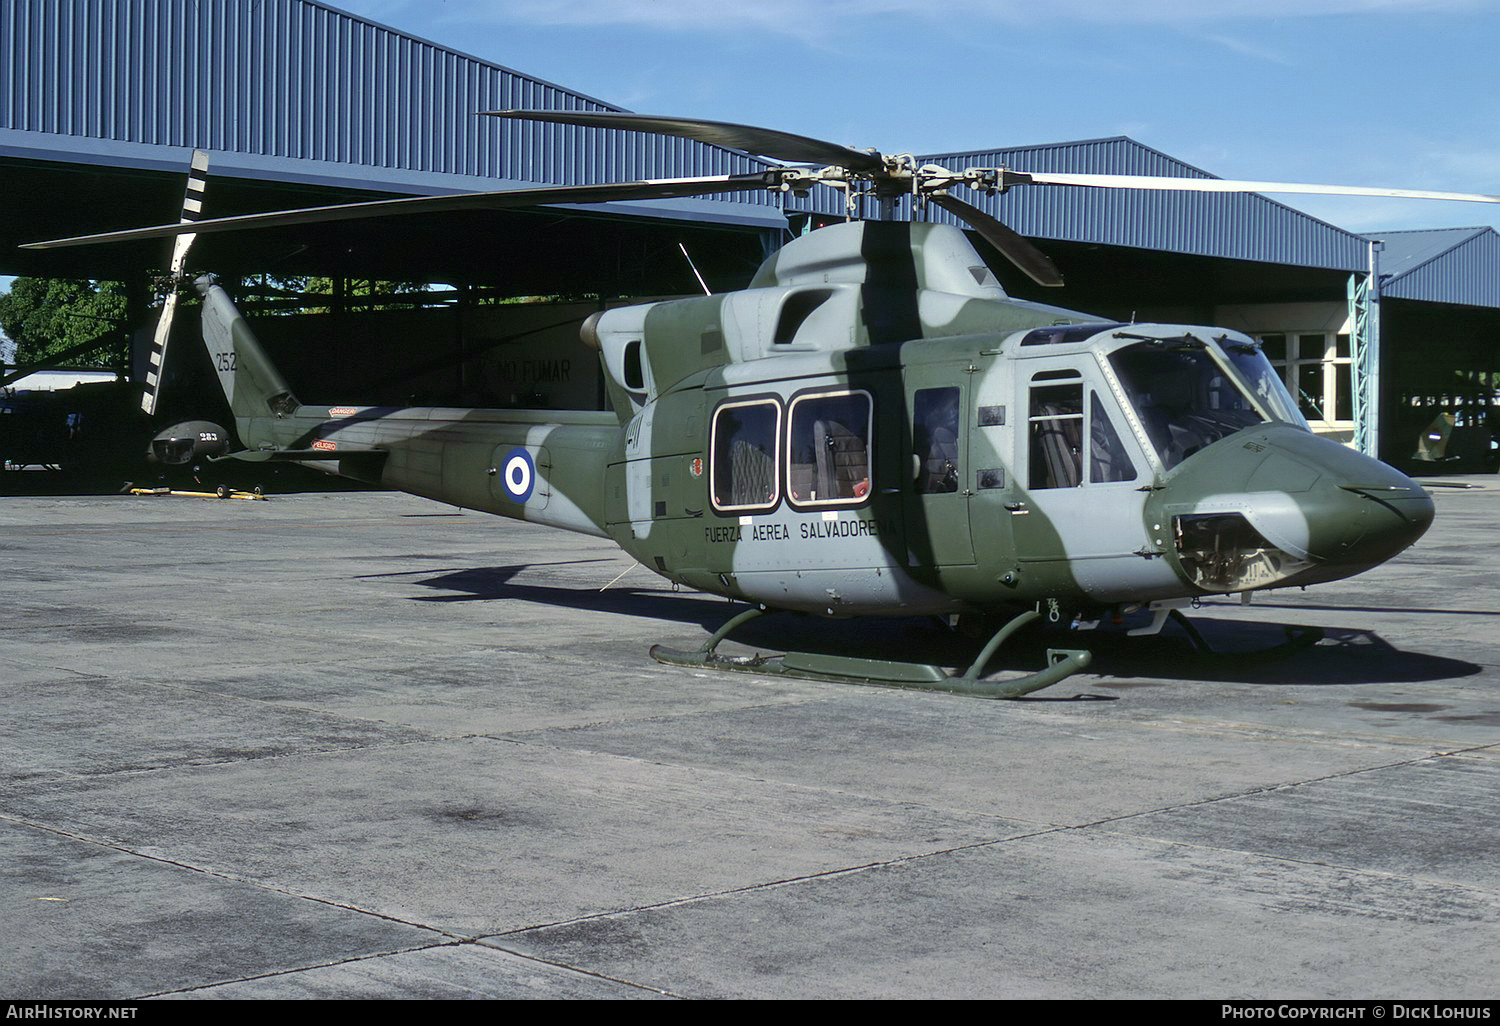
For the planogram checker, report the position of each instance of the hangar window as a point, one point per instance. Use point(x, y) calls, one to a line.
point(1317, 369)
point(745, 456)
point(828, 449)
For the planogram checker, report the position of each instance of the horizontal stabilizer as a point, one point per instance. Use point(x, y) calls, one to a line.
point(367, 456)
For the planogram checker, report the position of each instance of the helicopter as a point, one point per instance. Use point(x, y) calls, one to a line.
point(873, 427)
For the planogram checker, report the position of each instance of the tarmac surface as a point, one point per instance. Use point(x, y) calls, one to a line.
point(363, 745)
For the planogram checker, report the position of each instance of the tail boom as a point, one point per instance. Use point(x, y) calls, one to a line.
point(546, 467)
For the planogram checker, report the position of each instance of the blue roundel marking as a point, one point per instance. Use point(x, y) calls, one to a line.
point(518, 474)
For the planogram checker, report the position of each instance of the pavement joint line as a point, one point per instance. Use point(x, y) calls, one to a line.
point(229, 877)
point(196, 526)
point(1278, 734)
point(248, 760)
point(737, 775)
point(1048, 828)
point(85, 674)
point(1031, 835)
point(1285, 785)
point(293, 707)
point(485, 942)
point(294, 970)
point(1383, 874)
point(1186, 726)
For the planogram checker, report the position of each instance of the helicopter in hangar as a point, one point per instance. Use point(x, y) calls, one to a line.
point(873, 427)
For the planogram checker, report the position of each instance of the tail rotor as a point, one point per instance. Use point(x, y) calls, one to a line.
point(192, 209)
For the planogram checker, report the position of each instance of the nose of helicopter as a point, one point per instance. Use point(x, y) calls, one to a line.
point(1360, 512)
point(1320, 509)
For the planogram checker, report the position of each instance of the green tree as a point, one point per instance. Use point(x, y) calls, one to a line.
point(47, 316)
point(364, 293)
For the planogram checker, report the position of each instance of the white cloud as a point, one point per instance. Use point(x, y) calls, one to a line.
point(1245, 49)
point(828, 18)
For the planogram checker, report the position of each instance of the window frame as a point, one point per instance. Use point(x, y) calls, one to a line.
point(850, 502)
point(1335, 374)
point(713, 456)
point(1055, 378)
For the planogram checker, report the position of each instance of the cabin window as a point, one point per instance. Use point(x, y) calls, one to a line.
point(828, 449)
point(1055, 427)
point(934, 426)
point(745, 456)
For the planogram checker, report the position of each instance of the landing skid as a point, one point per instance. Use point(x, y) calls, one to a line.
point(1061, 663)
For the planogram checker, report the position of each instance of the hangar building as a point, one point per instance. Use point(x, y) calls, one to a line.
point(300, 104)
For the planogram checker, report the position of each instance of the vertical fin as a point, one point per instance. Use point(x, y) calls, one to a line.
point(192, 209)
point(252, 384)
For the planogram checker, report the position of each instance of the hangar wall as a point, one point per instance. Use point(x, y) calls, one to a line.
point(511, 355)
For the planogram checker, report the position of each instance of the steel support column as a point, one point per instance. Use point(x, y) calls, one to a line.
point(1364, 341)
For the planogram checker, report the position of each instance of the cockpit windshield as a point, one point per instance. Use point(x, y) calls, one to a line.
point(1264, 380)
point(1182, 396)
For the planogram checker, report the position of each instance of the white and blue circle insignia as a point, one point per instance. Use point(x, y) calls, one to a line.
point(518, 474)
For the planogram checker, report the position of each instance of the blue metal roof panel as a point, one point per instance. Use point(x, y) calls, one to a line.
point(305, 85)
point(1239, 227)
point(1454, 265)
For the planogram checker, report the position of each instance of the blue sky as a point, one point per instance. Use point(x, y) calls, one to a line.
point(1358, 92)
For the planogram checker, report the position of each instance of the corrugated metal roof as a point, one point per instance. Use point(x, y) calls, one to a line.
point(300, 91)
point(1449, 265)
point(1238, 227)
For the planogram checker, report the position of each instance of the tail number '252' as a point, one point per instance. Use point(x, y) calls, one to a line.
point(224, 361)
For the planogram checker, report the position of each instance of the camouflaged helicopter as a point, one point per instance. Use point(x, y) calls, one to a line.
point(875, 428)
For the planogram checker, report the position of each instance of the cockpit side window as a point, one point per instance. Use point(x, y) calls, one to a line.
point(935, 439)
point(1108, 460)
point(1055, 427)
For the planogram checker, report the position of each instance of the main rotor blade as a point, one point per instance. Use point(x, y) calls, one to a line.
point(1229, 185)
point(763, 142)
point(664, 188)
point(1037, 265)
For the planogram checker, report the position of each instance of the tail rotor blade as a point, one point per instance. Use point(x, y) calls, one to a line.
point(192, 209)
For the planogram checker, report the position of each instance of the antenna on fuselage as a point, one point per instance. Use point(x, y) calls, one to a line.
point(701, 283)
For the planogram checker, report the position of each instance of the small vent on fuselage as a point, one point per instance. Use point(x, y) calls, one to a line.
point(794, 312)
point(635, 375)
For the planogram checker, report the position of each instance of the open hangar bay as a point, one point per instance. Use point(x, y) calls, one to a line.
point(366, 745)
